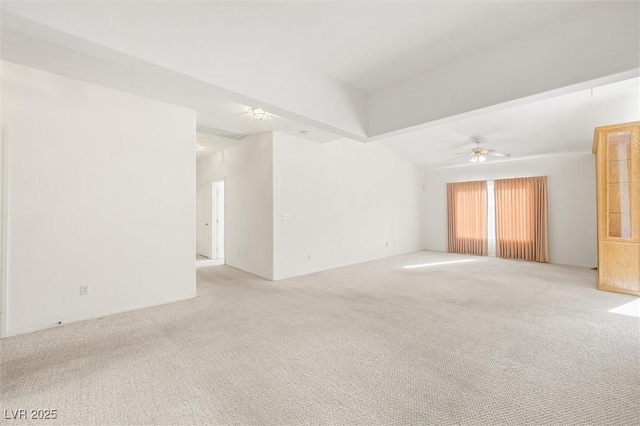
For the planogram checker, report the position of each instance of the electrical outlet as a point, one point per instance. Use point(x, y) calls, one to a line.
point(84, 290)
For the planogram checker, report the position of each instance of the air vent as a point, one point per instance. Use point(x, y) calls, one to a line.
point(216, 131)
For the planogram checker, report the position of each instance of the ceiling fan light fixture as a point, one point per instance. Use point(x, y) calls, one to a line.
point(478, 157)
point(479, 154)
point(259, 113)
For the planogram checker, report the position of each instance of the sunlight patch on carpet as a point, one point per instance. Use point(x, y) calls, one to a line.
point(423, 265)
point(631, 309)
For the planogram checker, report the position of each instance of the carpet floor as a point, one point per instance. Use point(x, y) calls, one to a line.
point(422, 338)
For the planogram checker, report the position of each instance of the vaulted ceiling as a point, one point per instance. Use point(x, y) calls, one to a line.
point(555, 125)
point(362, 70)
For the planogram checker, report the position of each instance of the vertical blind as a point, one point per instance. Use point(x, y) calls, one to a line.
point(521, 218)
point(467, 212)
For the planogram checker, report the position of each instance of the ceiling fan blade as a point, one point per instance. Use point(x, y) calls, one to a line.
point(461, 144)
point(461, 153)
point(497, 154)
point(462, 156)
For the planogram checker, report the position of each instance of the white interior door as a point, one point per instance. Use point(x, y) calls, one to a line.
point(204, 220)
point(218, 216)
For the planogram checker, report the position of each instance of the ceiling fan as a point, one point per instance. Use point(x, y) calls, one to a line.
point(479, 155)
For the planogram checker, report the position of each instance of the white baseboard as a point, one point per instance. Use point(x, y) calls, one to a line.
point(103, 315)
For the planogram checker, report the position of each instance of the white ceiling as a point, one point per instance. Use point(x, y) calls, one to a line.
point(391, 42)
point(561, 124)
point(362, 70)
point(368, 46)
point(121, 72)
point(206, 144)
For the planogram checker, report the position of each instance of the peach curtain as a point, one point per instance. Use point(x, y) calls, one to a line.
point(521, 218)
point(467, 212)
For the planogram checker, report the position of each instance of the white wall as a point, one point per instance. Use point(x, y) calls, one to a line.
point(100, 192)
point(350, 202)
point(572, 202)
point(211, 168)
point(247, 169)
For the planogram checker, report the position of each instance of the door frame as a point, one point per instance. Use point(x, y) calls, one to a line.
point(209, 219)
point(224, 213)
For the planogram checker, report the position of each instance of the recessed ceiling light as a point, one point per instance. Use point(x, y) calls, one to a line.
point(259, 113)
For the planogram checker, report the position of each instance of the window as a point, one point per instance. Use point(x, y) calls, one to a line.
point(507, 217)
point(467, 207)
point(521, 218)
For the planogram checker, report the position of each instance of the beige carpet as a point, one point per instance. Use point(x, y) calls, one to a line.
point(483, 342)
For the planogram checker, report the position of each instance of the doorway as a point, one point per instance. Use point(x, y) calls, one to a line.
point(210, 222)
point(218, 220)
